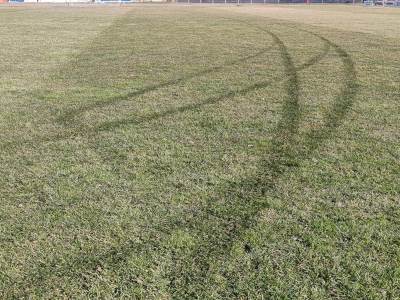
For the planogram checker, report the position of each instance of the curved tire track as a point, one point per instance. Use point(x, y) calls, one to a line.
point(233, 217)
point(137, 120)
point(73, 113)
point(227, 219)
point(212, 100)
point(110, 257)
point(245, 212)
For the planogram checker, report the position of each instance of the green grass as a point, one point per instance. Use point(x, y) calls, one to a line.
point(199, 152)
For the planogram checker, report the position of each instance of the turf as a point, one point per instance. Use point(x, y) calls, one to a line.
point(212, 152)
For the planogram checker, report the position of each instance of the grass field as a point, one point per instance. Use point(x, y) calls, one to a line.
point(211, 152)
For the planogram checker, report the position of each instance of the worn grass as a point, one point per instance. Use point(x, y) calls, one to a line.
point(199, 152)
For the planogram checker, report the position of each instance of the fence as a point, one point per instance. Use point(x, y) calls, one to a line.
point(391, 3)
point(267, 1)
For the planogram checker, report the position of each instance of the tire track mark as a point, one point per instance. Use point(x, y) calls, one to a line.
point(137, 120)
point(213, 100)
point(73, 113)
point(110, 125)
point(115, 255)
point(292, 114)
point(343, 101)
point(228, 220)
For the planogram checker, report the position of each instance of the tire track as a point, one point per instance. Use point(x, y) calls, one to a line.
point(213, 100)
point(110, 125)
point(137, 120)
point(74, 113)
point(228, 220)
point(287, 130)
point(110, 257)
point(343, 101)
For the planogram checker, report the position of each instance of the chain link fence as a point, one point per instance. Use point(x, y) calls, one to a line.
point(391, 3)
point(266, 1)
